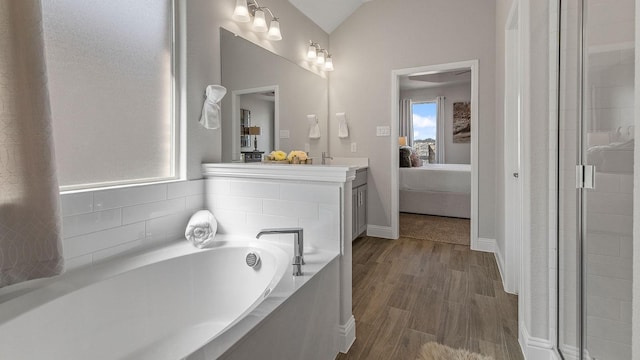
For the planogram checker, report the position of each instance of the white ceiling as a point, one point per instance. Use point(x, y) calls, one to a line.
point(328, 14)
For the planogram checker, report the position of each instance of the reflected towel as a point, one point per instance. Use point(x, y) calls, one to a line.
point(343, 128)
point(201, 229)
point(210, 117)
point(314, 127)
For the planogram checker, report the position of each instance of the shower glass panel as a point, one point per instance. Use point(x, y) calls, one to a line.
point(596, 123)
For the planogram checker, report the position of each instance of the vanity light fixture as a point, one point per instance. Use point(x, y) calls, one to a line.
point(244, 11)
point(320, 56)
point(328, 64)
point(312, 52)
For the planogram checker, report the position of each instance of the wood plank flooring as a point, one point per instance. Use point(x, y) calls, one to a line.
point(407, 292)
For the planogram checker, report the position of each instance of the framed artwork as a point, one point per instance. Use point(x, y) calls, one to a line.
point(462, 122)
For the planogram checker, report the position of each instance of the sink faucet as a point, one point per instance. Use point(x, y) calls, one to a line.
point(298, 244)
point(325, 157)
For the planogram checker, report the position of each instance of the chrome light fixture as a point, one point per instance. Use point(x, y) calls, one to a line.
point(319, 56)
point(241, 13)
point(312, 51)
point(328, 63)
point(244, 11)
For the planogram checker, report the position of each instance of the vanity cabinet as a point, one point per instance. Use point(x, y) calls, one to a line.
point(359, 204)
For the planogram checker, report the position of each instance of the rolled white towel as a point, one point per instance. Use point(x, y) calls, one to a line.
point(201, 229)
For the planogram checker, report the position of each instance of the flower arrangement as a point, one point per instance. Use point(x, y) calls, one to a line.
point(277, 155)
point(294, 157)
point(301, 155)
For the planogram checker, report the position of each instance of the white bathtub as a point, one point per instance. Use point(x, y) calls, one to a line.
point(162, 304)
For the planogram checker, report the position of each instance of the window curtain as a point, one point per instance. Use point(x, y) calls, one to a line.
point(30, 226)
point(406, 120)
point(440, 145)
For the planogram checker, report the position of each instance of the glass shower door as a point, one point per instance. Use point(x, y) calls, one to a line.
point(597, 66)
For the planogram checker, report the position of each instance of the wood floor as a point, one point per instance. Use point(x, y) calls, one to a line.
point(408, 292)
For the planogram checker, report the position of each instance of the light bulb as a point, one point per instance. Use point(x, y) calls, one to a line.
point(328, 64)
point(311, 53)
point(320, 58)
point(259, 22)
point(241, 13)
point(274, 30)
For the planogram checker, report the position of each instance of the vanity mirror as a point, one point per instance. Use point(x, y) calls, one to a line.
point(279, 95)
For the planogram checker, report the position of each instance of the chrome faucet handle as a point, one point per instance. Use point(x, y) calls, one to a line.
point(298, 245)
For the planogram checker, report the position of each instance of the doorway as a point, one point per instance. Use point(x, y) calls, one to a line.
point(397, 76)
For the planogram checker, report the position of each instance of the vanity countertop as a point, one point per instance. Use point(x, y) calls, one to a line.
point(359, 163)
point(299, 172)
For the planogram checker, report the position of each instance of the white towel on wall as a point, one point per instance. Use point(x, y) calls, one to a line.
point(343, 128)
point(210, 117)
point(201, 229)
point(314, 127)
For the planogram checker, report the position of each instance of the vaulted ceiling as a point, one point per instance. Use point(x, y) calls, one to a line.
point(328, 14)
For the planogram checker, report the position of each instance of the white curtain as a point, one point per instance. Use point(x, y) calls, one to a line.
point(30, 227)
point(406, 120)
point(441, 136)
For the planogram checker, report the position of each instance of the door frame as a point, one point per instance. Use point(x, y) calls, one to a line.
point(513, 108)
point(235, 117)
point(395, 103)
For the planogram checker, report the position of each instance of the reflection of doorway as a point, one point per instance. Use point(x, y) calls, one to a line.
point(433, 74)
point(263, 105)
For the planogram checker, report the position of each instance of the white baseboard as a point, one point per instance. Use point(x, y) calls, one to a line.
point(347, 335)
point(484, 245)
point(501, 264)
point(384, 232)
point(535, 348)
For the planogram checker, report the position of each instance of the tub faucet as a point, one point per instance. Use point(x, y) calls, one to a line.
point(325, 157)
point(298, 245)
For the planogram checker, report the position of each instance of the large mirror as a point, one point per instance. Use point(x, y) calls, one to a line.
point(268, 103)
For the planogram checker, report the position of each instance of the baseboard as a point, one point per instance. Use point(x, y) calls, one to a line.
point(347, 335)
point(535, 348)
point(501, 264)
point(384, 232)
point(484, 245)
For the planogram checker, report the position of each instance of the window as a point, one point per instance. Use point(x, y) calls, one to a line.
point(110, 69)
point(425, 129)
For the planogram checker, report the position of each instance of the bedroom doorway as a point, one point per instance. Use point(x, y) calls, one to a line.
point(455, 142)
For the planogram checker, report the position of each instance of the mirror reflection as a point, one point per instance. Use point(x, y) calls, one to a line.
point(268, 103)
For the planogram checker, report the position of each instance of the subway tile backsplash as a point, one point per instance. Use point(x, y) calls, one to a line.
point(104, 223)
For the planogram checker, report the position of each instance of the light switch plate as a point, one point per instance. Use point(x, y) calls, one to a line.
point(354, 147)
point(383, 131)
point(284, 134)
point(307, 148)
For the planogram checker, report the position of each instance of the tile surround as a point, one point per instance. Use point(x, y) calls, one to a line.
point(104, 223)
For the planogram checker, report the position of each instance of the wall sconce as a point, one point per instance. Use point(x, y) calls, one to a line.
point(244, 11)
point(320, 56)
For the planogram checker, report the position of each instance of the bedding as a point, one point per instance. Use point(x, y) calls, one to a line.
point(436, 189)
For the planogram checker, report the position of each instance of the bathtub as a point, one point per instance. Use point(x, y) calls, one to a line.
point(165, 303)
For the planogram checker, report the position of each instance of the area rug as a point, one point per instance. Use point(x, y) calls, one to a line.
point(435, 351)
point(435, 228)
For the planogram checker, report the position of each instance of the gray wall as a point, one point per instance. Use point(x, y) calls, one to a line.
point(204, 19)
point(453, 153)
point(393, 34)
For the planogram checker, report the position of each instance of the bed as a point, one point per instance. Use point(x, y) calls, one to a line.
point(436, 189)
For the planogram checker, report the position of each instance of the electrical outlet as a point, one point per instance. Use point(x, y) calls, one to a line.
point(306, 147)
point(383, 131)
point(354, 147)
